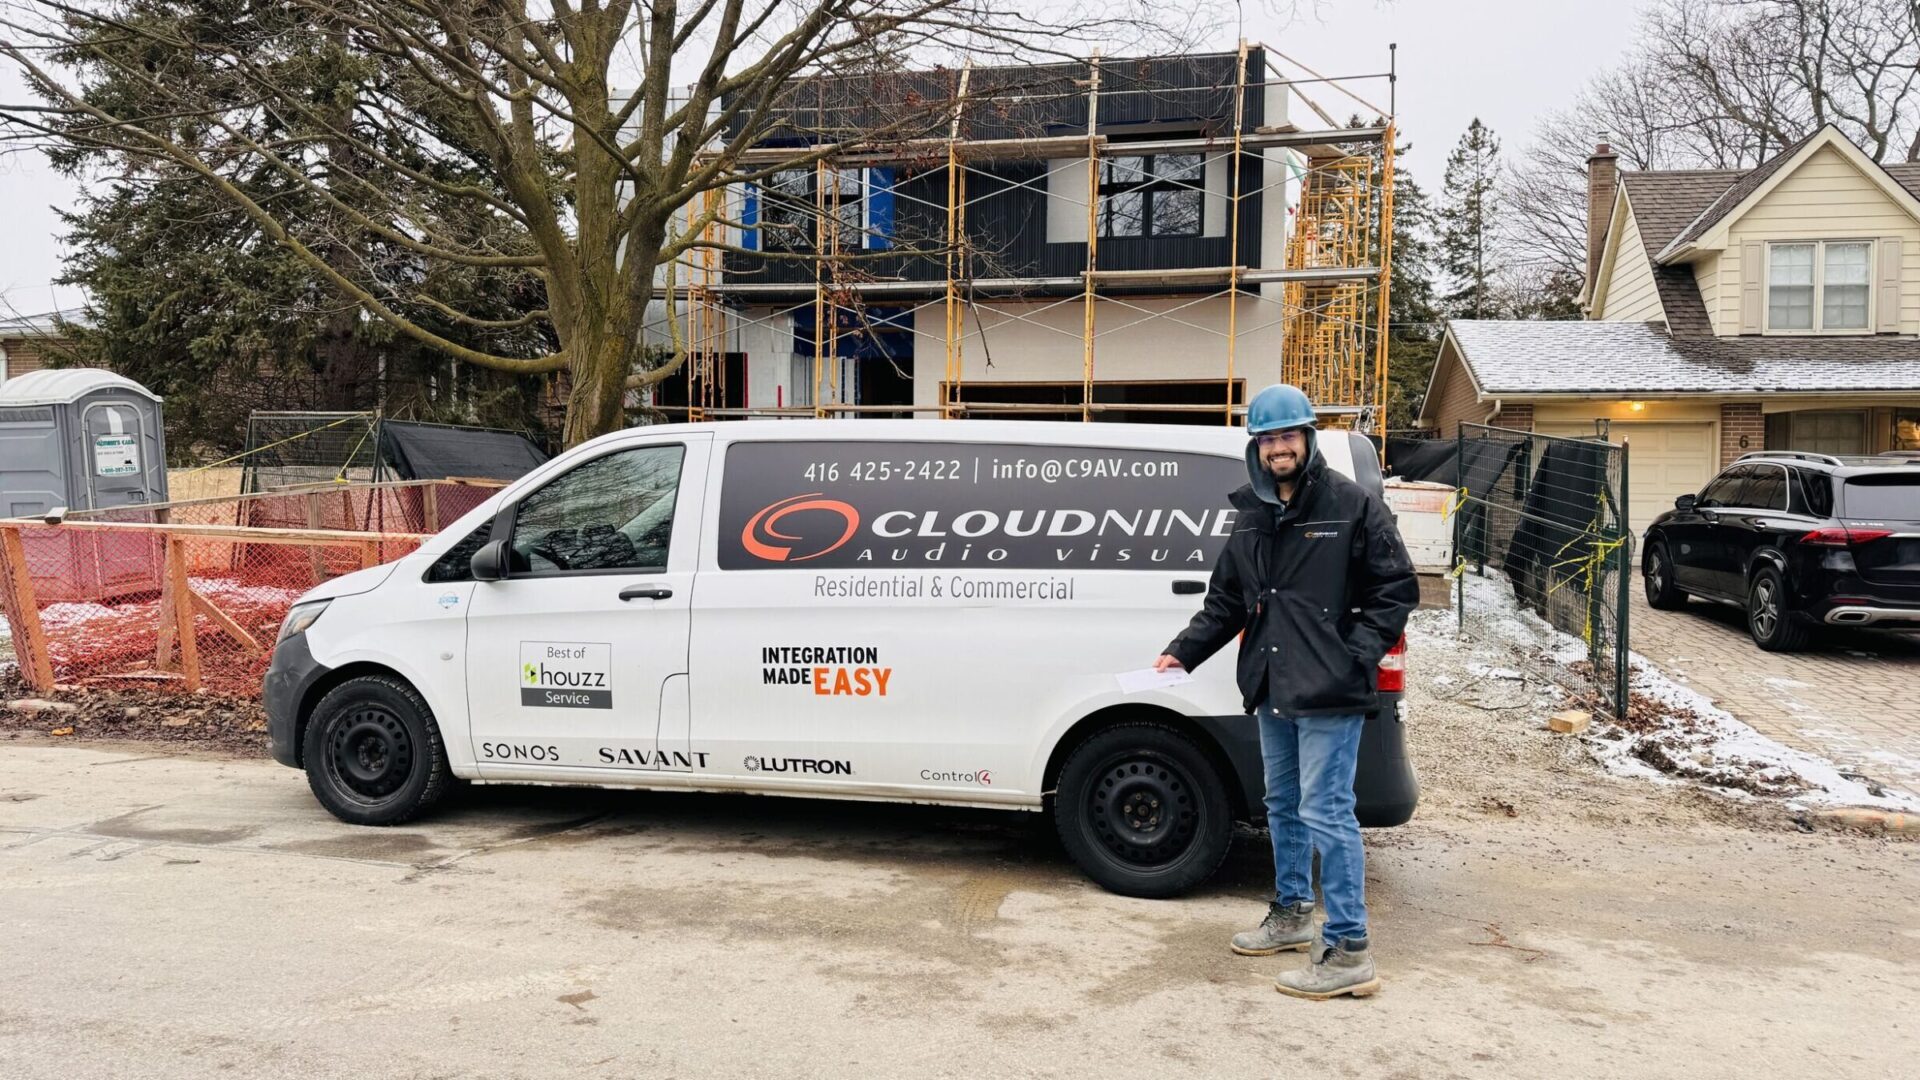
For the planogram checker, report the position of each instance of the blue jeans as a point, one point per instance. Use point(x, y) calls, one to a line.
point(1310, 763)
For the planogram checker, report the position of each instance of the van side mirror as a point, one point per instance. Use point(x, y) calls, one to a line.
point(490, 562)
point(1684, 503)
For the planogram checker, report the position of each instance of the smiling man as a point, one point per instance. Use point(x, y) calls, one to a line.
point(1316, 578)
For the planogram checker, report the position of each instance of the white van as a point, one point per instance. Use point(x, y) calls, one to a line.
point(907, 611)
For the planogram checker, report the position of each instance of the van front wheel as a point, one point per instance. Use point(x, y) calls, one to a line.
point(373, 753)
point(1143, 810)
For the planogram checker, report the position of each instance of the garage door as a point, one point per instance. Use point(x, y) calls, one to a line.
point(1668, 460)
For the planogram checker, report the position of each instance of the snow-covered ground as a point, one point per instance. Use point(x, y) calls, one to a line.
point(1671, 731)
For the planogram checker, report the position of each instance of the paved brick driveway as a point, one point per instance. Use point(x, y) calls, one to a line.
point(1852, 697)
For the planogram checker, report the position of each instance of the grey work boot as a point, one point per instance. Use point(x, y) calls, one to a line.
point(1287, 927)
point(1333, 970)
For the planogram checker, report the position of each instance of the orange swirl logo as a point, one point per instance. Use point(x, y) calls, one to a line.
point(778, 546)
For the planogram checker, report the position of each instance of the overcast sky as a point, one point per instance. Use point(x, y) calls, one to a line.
point(1505, 61)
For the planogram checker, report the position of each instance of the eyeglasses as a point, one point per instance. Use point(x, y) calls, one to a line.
point(1274, 438)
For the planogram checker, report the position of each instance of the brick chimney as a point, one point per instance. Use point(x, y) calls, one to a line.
point(1603, 180)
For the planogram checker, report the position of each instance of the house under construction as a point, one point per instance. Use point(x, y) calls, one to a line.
point(1116, 239)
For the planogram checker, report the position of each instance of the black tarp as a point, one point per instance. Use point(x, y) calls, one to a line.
point(1488, 463)
point(1423, 459)
point(412, 451)
point(1563, 505)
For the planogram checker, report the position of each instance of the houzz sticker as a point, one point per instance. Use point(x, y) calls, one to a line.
point(566, 674)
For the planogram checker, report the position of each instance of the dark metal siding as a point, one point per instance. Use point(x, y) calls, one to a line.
point(1006, 221)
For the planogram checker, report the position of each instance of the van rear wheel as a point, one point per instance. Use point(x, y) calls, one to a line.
point(373, 753)
point(1143, 810)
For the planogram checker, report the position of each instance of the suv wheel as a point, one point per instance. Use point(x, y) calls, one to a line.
point(373, 753)
point(1142, 809)
point(1662, 593)
point(1773, 626)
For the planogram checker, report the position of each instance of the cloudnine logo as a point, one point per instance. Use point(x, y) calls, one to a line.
point(780, 547)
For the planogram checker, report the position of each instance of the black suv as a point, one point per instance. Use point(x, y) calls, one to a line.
point(1798, 540)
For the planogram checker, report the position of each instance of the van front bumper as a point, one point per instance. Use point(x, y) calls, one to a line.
point(291, 674)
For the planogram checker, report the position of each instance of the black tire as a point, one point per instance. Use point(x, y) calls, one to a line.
point(1657, 574)
point(1773, 625)
point(1143, 810)
point(373, 753)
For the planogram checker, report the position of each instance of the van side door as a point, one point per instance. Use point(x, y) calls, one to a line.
point(573, 658)
point(918, 616)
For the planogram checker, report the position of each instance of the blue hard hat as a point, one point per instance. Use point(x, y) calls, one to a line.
point(1279, 407)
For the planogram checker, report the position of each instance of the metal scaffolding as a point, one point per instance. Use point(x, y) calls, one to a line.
point(1329, 300)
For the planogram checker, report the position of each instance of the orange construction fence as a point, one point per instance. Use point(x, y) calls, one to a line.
point(187, 595)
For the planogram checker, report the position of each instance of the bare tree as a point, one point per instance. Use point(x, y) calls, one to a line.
point(1717, 84)
point(565, 140)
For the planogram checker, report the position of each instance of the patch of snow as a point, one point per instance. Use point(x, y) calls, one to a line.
point(1485, 672)
point(1779, 683)
point(1691, 732)
point(62, 615)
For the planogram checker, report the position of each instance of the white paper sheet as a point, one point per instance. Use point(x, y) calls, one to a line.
point(1133, 682)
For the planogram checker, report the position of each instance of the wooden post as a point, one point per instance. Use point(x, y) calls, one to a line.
point(183, 612)
point(430, 504)
point(29, 639)
point(163, 647)
point(227, 623)
point(313, 522)
point(369, 554)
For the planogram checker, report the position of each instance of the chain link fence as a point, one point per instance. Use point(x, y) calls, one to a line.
point(190, 595)
point(1546, 516)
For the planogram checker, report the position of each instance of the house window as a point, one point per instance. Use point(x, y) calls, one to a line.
point(787, 203)
point(1837, 433)
point(1821, 286)
point(1157, 195)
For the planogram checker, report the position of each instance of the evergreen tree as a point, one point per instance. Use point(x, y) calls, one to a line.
point(1469, 221)
point(191, 297)
point(1413, 314)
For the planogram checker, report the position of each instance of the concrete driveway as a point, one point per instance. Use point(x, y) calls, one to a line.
point(170, 916)
point(1853, 696)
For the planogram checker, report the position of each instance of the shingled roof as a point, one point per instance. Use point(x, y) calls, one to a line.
point(1528, 357)
point(1674, 206)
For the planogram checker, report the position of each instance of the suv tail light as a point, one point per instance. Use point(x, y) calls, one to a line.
point(1393, 668)
point(1841, 536)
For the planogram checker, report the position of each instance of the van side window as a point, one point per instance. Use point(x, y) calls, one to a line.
point(457, 563)
point(611, 513)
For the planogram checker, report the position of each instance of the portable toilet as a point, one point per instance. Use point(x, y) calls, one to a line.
point(85, 439)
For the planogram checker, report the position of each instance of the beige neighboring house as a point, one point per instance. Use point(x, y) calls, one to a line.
point(28, 342)
point(1727, 311)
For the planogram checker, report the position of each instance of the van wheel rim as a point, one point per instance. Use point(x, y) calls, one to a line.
point(1766, 608)
point(1143, 809)
point(370, 754)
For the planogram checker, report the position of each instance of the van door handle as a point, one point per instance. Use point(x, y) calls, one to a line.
point(1185, 588)
point(645, 592)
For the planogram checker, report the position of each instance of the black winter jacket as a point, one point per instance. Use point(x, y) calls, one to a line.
point(1322, 591)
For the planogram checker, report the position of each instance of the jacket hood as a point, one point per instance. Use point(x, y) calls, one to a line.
point(1262, 481)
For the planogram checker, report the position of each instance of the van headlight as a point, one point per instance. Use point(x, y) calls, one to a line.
point(301, 617)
